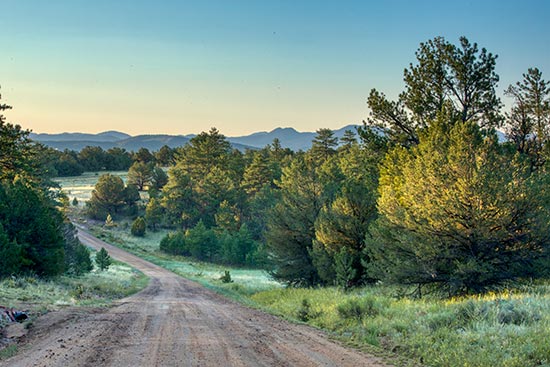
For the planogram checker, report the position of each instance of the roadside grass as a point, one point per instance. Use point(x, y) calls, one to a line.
point(510, 328)
point(245, 282)
point(97, 288)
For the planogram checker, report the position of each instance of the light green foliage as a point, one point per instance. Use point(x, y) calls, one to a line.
point(324, 145)
point(458, 213)
point(103, 259)
point(138, 227)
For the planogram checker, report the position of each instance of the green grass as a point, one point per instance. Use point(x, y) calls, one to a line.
point(509, 329)
point(245, 281)
point(96, 288)
point(81, 186)
point(37, 296)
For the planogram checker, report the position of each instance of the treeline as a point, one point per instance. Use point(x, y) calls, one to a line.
point(35, 236)
point(94, 158)
point(423, 194)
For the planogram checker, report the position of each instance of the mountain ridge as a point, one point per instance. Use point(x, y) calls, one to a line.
point(288, 137)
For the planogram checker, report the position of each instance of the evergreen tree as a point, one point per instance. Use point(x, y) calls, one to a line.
point(108, 197)
point(291, 224)
point(458, 78)
point(458, 213)
point(103, 259)
point(154, 214)
point(324, 144)
point(159, 178)
point(138, 227)
point(165, 156)
point(140, 174)
point(528, 124)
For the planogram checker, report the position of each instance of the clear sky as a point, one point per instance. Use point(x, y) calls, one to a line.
point(180, 67)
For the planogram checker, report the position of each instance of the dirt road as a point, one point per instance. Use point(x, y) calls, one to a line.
point(175, 322)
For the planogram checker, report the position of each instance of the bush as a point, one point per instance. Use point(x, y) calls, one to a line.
point(138, 227)
point(359, 308)
point(226, 277)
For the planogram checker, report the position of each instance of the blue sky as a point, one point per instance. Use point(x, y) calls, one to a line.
point(182, 67)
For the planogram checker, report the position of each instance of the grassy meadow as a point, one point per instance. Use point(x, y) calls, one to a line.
point(508, 328)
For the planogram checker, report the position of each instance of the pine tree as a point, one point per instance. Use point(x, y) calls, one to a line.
point(103, 259)
point(138, 227)
point(291, 224)
point(458, 213)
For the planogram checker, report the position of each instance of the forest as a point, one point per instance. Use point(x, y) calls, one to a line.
point(424, 194)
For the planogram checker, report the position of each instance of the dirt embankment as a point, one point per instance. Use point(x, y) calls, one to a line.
point(175, 322)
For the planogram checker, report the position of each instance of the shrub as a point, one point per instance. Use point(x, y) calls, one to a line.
point(226, 277)
point(358, 308)
point(138, 227)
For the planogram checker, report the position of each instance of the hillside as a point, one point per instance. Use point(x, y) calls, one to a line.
point(289, 138)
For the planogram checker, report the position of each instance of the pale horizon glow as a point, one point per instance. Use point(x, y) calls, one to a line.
point(174, 67)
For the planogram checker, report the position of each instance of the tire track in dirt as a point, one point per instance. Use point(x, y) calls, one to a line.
point(175, 322)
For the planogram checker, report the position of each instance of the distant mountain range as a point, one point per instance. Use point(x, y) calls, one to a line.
point(289, 138)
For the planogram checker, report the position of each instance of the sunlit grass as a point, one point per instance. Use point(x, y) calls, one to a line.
point(510, 328)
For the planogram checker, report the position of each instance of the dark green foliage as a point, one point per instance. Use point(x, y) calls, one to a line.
point(159, 178)
point(66, 163)
point(32, 223)
point(102, 259)
point(154, 214)
point(237, 248)
point(117, 159)
point(174, 243)
point(303, 313)
point(165, 156)
point(291, 224)
point(226, 277)
point(110, 196)
point(528, 123)
point(346, 265)
point(11, 255)
point(138, 227)
point(93, 159)
point(198, 242)
point(77, 256)
point(140, 174)
point(458, 78)
point(359, 308)
point(143, 155)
